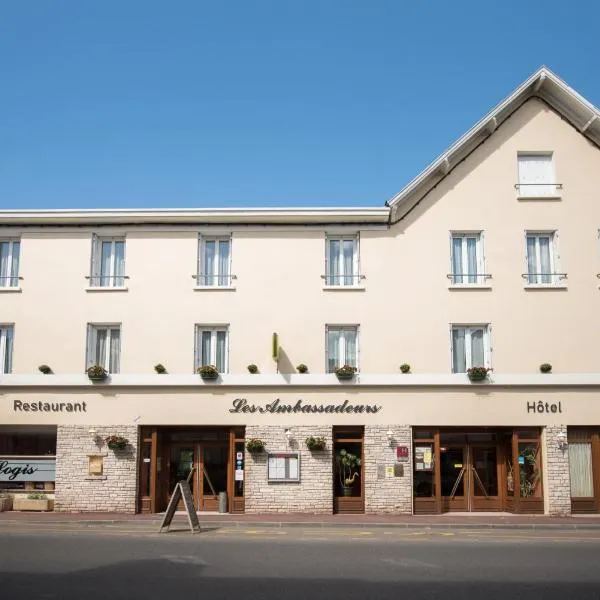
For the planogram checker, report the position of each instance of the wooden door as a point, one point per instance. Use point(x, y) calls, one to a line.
point(584, 467)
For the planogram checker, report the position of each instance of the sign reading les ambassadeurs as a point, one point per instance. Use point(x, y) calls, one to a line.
point(20, 406)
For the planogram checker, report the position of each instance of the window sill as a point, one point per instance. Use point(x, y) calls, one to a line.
point(214, 288)
point(469, 286)
point(344, 288)
point(545, 286)
point(106, 289)
point(8, 290)
point(552, 198)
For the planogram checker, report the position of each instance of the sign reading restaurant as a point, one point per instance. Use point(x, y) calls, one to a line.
point(20, 406)
point(241, 405)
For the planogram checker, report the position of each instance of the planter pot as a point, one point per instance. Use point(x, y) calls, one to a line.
point(347, 490)
point(97, 377)
point(345, 376)
point(27, 504)
point(6, 503)
point(316, 449)
point(209, 377)
point(117, 446)
point(476, 378)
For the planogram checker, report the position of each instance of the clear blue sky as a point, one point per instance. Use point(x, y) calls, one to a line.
point(123, 103)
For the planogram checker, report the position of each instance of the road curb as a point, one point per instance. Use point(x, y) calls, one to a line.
point(226, 524)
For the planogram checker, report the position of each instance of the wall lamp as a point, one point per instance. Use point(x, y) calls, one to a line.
point(288, 434)
point(390, 437)
point(561, 440)
point(93, 435)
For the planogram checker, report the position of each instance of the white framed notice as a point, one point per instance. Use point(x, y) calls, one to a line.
point(283, 466)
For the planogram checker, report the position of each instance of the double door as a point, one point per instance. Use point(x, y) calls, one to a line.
point(210, 463)
point(470, 473)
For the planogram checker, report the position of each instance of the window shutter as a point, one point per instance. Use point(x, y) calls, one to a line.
point(199, 263)
point(95, 261)
point(327, 276)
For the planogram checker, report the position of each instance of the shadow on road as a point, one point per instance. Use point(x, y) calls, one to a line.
point(171, 579)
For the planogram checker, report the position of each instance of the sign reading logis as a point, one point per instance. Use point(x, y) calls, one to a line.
point(241, 405)
point(19, 469)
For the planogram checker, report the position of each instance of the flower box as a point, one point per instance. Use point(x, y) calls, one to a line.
point(254, 445)
point(116, 442)
point(478, 373)
point(97, 373)
point(345, 372)
point(208, 372)
point(315, 444)
point(36, 504)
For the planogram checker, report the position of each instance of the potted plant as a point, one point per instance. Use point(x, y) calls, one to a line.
point(255, 445)
point(546, 368)
point(160, 369)
point(345, 372)
point(405, 368)
point(5, 502)
point(478, 373)
point(302, 368)
point(97, 373)
point(116, 442)
point(35, 501)
point(348, 469)
point(252, 369)
point(45, 369)
point(315, 444)
point(208, 372)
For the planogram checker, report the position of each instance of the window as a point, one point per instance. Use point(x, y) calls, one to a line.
point(104, 347)
point(536, 175)
point(6, 348)
point(214, 262)
point(342, 347)
point(10, 251)
point(467, 258)
point(108, 262)
point(341, 261)
point(542, 258)
point(470, 347)
point(212, 347)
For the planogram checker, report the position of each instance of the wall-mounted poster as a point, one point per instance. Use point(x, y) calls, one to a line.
point(423, 458)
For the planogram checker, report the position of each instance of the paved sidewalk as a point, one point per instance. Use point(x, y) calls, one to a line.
point(446, 521)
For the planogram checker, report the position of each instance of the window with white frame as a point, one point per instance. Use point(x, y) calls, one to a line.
point(6, 348)
point(212, 347)
point(10, 251)
point(108, 262)
point(214, 262)
point(104, 346)
point(467, 258)
point(542, 258)
point(341, 261)
point(342, 346)
point(470, 347)
point(536, 174)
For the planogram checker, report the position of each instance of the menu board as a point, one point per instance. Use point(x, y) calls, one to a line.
point(283, 466)
point(424, 458)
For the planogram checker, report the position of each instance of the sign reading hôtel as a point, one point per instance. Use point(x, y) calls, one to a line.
point(241, 405)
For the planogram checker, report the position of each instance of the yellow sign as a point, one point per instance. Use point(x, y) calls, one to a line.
point(275, 346)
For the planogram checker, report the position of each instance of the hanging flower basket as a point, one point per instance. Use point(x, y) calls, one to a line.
point(255, 445)
point(208, 372)
point(116, 442)
point(97, 373)
point(478, 373)
point(345, 372)
point(315, 444)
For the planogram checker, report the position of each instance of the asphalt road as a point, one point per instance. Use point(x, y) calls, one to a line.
point(298, 564)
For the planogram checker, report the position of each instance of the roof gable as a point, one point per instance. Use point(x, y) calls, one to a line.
point(543, 84)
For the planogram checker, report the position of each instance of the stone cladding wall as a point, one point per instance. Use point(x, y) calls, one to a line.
point(113, 491)
point(387, 494)
point(312, 494)
point(557, 477)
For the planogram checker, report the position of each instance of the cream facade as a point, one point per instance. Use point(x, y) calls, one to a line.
point(489, 258)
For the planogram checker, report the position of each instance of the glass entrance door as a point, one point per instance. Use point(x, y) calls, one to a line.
point(214, 462)
point(183, 460)
point(469, 476)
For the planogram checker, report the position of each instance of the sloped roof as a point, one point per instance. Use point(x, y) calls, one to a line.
point(543, 84)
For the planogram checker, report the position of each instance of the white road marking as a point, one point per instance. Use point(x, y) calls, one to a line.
point(410, 562)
